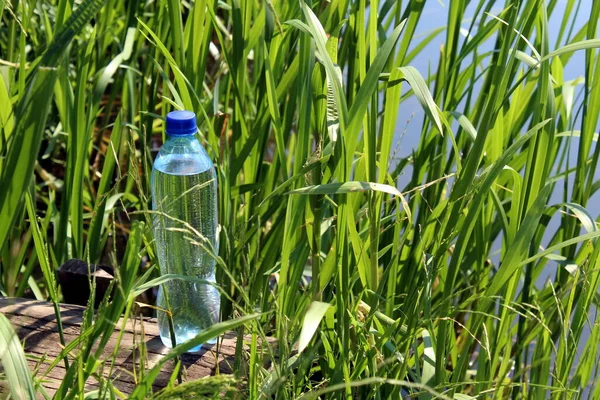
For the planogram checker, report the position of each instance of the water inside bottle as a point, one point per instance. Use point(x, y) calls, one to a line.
point(185, 198)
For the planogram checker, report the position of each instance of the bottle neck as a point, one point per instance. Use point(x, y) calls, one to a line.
point(181, 138)
point(181, 144)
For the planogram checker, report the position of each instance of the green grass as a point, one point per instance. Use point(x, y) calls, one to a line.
point(428, 289)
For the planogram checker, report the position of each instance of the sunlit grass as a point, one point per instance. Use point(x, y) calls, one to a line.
point(428, 288)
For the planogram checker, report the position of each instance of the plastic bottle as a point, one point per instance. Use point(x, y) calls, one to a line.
point(184, 198)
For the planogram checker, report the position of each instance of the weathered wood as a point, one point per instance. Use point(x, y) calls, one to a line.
point(35, 324)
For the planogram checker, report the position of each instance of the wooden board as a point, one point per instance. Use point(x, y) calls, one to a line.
point(35, 324)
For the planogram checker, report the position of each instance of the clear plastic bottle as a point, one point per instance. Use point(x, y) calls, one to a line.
point(184, 196)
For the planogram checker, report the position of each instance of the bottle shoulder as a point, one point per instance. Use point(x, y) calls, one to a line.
point(182, 155)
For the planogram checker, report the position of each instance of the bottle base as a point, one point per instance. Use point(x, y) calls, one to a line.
point(166, 341)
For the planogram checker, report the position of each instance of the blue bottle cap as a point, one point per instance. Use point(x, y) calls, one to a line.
point(181, 123)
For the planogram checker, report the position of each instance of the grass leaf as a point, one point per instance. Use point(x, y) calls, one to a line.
point(14, 363)
point(215, 330)
point(312, 319)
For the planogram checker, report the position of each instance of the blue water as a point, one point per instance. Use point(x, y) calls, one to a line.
point(411, 115)
point(184, 194)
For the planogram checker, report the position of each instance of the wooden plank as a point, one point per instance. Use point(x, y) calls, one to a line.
point(35, 324)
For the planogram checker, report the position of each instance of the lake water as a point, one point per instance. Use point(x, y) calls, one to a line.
point(410, 113)
point(408, 133)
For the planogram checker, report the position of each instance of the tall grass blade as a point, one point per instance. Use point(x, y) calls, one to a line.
point(30, 113)
point(14, 363)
